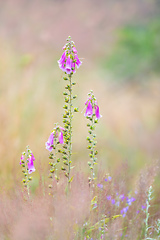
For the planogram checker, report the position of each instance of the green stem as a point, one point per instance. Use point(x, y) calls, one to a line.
point(70, 127)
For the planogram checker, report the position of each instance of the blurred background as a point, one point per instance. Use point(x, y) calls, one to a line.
point(118, 42)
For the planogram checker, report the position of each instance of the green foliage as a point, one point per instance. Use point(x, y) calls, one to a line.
point(137, 52)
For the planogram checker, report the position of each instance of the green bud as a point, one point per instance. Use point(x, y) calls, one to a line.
point(59, 150)
point(90, 132)
point(91, 168)
point(89, 164)
point(91, 155)
point(62, 168)
point(73, 83)
point(58, 160)
point(24, 180)
point(50, 186)
point(64, 157)
point(66, 174)
point(75, 109)
point(23, 165)
point(64, 93)
point(74, 96)
point(88, 125)
point(51, 164)
point(66, 99)
point(65, 163)
point(23, 171)
point(50, 176)
point(65, 116)
point(65, 107)
point(52, 170)
point(65, 78)
point(96, 152)
point(89, 147)
point(50, 157)
point(88, 138)
point(30, 178)
point(95, 121)
point(64, 146)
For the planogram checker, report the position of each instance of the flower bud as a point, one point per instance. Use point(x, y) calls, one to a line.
point(65, 78)
point(73, 83)
point(62, 168)
point(30, 178)
point(64, 93)
point(52, 170)
point(50, 186)
point(75, 109)
point(89, 164)
point(58, 160)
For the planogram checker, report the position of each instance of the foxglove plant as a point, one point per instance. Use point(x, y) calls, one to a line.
point(55, 138)
point(93, 115)
point(68, 63)
point(27, 165)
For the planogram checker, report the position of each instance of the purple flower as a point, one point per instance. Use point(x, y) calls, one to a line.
point(130, 200)
point(31, 167)
point(108, 197)
point(100, 185)
point(143, 207)
point(73, 67)
point(109, 178)
point(22, 159)
point(74, 50)
point(78, 62)
point(61, 61)
point(61, 138)
point(68, 67)
point(98, 116)
point(124, 211)
point(49, 143)
point(113, 201)
point(89, 110)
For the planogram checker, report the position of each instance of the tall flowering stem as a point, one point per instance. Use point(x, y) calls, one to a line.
point(93, 115)
point(52, 145)
point(27, 165)
point(68, 63)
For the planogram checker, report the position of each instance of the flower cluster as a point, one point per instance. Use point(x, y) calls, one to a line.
point(91, 104)
point(57, 132)
point(30, 159)
point(69, 59)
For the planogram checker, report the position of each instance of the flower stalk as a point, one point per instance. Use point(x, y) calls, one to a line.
point(27, 165)
point(93, 115)
point(55, 138)
point(68, 63)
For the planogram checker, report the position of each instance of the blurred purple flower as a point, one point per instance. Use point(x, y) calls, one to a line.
point(130, 200)
point(109, 178)
point(124, 211)
point(113, 201)
point(74, 50)
point(108, 197)
point(49, 143)
point(31, 167)
point(100, 185)
point(143, 207)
